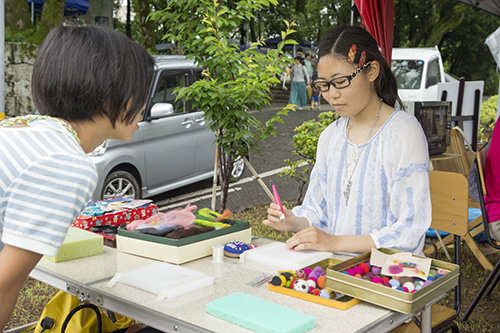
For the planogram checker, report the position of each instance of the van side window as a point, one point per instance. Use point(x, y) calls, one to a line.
point(433, 74)
point(165, 91)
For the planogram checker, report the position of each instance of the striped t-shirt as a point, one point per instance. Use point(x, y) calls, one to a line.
point(46, 180)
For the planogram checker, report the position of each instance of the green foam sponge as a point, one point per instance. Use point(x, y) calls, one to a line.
point(258, 315)
point(78, 243)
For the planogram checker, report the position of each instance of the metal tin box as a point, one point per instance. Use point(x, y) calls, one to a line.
point(386, 297)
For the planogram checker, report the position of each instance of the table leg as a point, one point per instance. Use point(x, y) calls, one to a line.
point(426, 319)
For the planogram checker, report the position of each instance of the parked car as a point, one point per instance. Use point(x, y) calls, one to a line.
point(173, 146)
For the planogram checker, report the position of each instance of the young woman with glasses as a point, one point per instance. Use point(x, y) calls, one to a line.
point(369, 187)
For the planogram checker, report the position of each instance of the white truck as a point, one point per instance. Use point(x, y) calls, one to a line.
point(421, 78)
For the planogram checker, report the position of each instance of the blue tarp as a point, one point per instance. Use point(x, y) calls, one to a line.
point(71, 7)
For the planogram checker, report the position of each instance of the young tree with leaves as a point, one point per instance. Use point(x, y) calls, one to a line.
point(234, 81)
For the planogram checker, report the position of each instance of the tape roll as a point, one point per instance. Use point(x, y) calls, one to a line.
point(218, 253)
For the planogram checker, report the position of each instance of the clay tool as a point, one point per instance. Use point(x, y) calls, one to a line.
point(277, 200)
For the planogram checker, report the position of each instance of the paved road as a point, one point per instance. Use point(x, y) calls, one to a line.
point(247, 192)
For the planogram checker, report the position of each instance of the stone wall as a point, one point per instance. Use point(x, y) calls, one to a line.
point(19, 58)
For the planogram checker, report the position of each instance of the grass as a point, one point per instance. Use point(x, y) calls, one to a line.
point(485, 318)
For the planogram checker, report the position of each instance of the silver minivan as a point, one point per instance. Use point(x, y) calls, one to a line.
point(173, 146)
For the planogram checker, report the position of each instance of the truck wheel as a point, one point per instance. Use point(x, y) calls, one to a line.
point(120, 183)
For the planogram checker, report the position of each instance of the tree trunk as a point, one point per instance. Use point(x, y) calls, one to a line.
point(147, 27)
point(19, 18)
point(52, 16)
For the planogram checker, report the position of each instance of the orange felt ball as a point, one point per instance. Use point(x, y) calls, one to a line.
point(321, 281)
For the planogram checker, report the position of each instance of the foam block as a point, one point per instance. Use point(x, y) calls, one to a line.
point(78, 243)
point(258, 315)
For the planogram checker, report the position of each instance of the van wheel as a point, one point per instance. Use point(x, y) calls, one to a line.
point(120, 183)
point(238, 168)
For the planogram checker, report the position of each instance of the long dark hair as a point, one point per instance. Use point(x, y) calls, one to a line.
point(338, 42)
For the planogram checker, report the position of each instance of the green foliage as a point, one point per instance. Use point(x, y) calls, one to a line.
point(488, 118)
point(235, 81)
point(306, 143)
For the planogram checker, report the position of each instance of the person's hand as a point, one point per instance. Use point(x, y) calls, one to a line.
point(311, 238)
point(273, 218)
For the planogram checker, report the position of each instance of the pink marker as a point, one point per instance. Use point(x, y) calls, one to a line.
point(277, 200)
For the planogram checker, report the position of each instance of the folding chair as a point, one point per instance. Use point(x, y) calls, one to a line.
point(449, 199)
point(494, 276)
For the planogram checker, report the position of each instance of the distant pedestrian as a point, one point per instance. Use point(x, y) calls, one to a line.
point(299, 79)
point(315, 99)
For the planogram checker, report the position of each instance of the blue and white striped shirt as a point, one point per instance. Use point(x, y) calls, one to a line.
point(46, 180)
point(389, 198)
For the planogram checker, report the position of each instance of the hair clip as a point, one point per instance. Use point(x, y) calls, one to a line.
point(352, 54)
point(362, 59)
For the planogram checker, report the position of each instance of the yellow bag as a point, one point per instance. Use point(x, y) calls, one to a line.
point(65, 310)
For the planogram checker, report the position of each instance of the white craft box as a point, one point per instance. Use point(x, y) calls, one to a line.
point(181, 250)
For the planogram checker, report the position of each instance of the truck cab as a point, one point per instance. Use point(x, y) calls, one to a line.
point(418, 72)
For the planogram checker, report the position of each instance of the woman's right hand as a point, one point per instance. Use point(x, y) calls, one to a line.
point(273, 218)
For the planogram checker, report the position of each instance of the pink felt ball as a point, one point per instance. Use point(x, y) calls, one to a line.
point(358, 270)
point(377, 279)
point(376, 270)
point(442, 271)
point(405, 289)
point(370, 275)
point(365, 267)
point(307, 271)
point(351, 271)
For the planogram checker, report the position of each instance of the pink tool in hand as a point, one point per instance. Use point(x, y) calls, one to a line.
point(277, 200)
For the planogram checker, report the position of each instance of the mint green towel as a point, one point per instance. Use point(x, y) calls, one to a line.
point(258, 315)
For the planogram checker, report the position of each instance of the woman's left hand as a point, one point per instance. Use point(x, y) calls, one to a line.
point(311, 238)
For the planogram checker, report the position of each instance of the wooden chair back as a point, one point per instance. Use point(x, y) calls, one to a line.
point(481, 164)
point(449, 199)
point(457, 146)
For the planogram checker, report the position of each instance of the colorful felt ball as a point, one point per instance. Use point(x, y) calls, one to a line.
point(442, 271)
point(325, 293)
point(387, 284)
point(366, 277)
point(418, 287)
point(377, 279)
point(358, 270)
point(405, 289)
point(414, 291)
point(409, 285)
point(433, 273)
point(345, 272)
point(385, 279)
point(357, 275)
point(404, 279)
point(288, 283)
point(321, 282)
point(394, 282)
point(307, 271)
point(426, 283)
point(400, 289)
point(365, 267)
point(430, 278)
point(301, 285)
point(370, 275)
point(351, 271)
point(375, 270)
point(439, 275)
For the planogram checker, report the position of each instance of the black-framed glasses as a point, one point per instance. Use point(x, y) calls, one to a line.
point(339, 82)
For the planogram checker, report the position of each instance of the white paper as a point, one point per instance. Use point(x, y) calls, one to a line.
point(401, 264)
point(279, 257)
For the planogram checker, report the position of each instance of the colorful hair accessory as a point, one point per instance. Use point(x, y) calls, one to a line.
point(362, 59)
point(352, 54)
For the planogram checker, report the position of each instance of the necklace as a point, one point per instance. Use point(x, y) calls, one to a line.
point(29, 118)
point(347, 191)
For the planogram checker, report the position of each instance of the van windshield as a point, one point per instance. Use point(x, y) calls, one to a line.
point(408, 73)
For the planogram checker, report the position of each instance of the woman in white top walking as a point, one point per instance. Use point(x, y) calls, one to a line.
point(299, 79)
